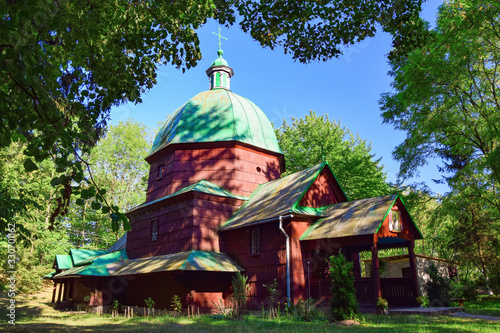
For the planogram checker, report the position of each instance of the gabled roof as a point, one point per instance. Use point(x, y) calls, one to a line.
point(278, 197)
point(353, 218)
point(182, 261)
point(203, 186)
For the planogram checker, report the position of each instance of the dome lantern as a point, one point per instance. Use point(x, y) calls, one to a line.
point(220, 73)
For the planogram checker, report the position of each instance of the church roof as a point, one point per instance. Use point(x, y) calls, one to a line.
point(353, 218)
point(183, 261)
point(203, 186)
point(217, 115)
point(277, 197)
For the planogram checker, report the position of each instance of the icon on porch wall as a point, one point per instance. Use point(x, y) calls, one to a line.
point(395, 224)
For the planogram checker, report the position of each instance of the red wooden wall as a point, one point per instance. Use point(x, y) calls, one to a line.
point(233, 167)
point(190, 224)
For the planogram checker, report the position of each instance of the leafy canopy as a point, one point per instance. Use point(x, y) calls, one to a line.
point(310, 140)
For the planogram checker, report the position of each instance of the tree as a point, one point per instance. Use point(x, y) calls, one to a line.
point(446, 100)
point(343, 303)
point(64, 64)
point(313, 139)
point(117, 163)
point(446, 95)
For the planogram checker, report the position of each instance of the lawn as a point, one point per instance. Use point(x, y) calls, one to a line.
point(34, 314)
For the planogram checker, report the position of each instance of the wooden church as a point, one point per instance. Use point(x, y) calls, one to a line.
point(216, 204)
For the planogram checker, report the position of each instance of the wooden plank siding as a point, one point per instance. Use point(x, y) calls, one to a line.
point(232, 167)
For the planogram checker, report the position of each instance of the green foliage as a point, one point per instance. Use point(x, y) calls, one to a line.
point(463, 289)
point(305, 310)
point(445, 99)
point(423, 301)
point(317, 30)
point(176, 304)
point(116, 304)
point(271, 295)
point(437, 288)
point(150, 303)
point(310, 140)
point(343, 304)
point(240, 293)
point(86, 299)
point(382, 303)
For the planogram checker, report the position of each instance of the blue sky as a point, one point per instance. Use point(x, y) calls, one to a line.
point(347, 89)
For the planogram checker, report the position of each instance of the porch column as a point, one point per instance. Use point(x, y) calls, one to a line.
point(413, 268)
point(66, 290)
point(54, 292)
point(60, 292)
point(375, 271)
point(357, 265)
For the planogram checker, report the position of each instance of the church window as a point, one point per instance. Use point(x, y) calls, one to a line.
point(395, 224)
point(255, 241)
point(154, 230)
point(160, 171)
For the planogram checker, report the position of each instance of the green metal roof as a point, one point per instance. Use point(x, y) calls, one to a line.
point(50, 275)
point(182, 261)
point(203, 186)
point(64, 261)
point(81, 255)
point(217, 115)
point(95, 266)
point(277, 197)
point(353, 218)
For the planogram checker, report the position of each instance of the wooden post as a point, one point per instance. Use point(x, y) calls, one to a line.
point(375, 270)
point(413, 269)
point(54, 292)
point(60, 292)
point(357, 265)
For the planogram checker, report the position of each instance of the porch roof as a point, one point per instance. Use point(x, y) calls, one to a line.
point(353, 218)
point(182, 261)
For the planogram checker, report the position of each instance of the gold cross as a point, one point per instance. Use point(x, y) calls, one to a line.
point(220, 36)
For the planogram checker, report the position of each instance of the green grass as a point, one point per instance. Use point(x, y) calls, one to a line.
point(34, 314)
point(484, 306)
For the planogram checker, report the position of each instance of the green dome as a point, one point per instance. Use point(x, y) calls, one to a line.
point(220, 61)
point(218, 115)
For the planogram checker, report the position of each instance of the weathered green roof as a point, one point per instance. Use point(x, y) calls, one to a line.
point(182, 261)
point(80, 255)
point(353, 218)
point(95, 266)
point(64, 261)
point(203, 186)
point(217, 115)
point(277, 197)
point(49, 275)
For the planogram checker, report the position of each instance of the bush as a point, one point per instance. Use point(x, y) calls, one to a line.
point(343, 304)
point(437, 288)
point(240, 292)
point(463, 289)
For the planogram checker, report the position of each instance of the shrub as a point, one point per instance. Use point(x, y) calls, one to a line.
point(150, 303)
point(463, 289)
point(176, 304)
point(240, 291)
point(272, 293)
point(343, 304)
point(437, 288)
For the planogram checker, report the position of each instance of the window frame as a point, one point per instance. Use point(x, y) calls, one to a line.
point(154, 230)
point(256, 241)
